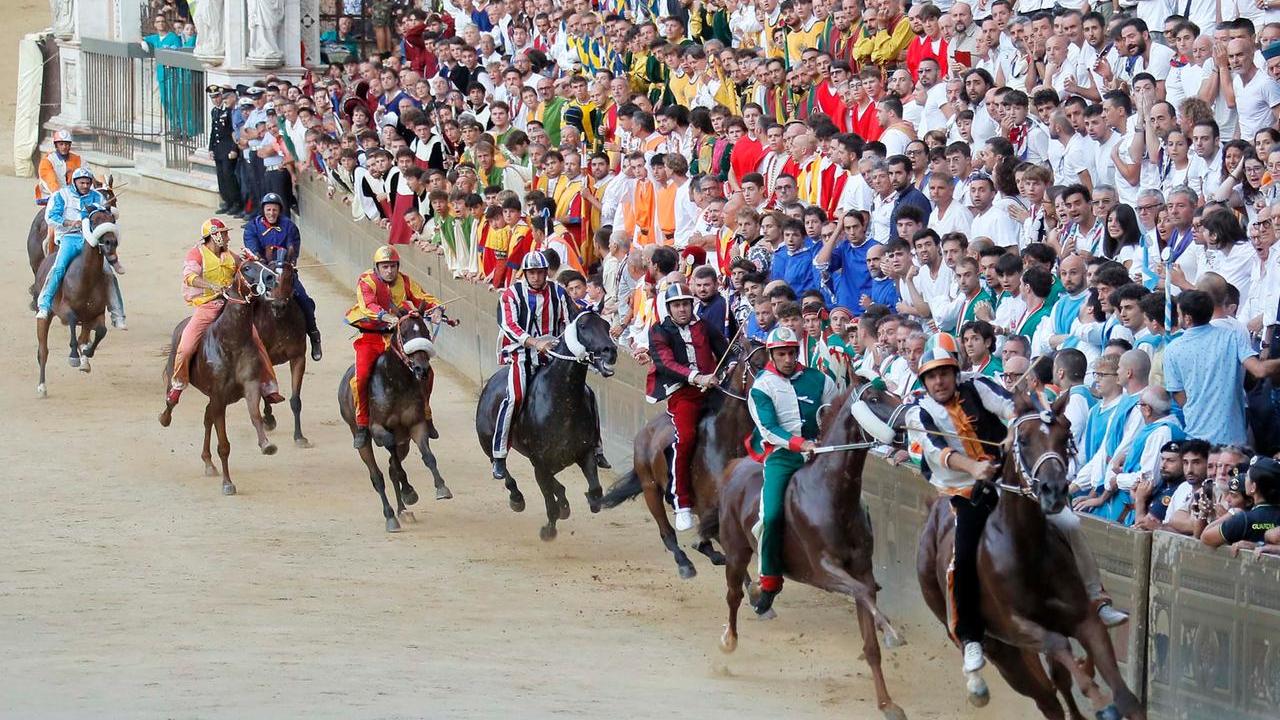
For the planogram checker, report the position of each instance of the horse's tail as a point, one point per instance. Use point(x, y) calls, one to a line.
point(627, 488)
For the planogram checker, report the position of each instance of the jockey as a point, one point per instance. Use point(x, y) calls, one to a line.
point(382, 295)
point(977, 407)
point(64, 214)
point(208, 269)
point(685, 352)
point(273, 230)
point(531, 312)
point(784, 403)
point(57, 167)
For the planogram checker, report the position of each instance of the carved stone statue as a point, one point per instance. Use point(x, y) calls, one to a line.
point(207, 16)
point(266, 18)
point(64, 18)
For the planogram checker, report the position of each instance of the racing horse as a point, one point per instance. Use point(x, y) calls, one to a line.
point(725, 423)
point(81, 301)
point(226, 368)
point(557, 426)
point(1033, 598)
point(283, 331)
point(399, 394)
point(827, 539)
point(38, 233)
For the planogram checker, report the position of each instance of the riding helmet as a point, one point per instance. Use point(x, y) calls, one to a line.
point(384, 254)
point(270, 198)
point(937, 357)
point(211, 226)
point(782, 337)
point(675, 291)
point(62, 136)
point(534, 261)
point(82, 173)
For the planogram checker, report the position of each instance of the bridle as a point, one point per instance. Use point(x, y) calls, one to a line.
point(1028, 483)
point(579, 352)
point(403, 349)
point(741, 372)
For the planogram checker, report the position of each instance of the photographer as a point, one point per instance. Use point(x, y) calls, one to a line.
point(1247, 528)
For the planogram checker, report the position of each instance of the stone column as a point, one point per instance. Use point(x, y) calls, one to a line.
point(309, 21)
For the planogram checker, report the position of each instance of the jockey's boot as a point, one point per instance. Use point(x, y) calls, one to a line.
point(499, 468)
point(360, 437)
point(170, 400)
point(973, 658)
point(316, 354)
point(770, 586)
point(601, 460)
point(1111, 616)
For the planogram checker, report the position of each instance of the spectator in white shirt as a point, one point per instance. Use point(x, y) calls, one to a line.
point(1075, 163)
point(991, 219)
point(948, 215)
point(1256, 94)
point(1104, 140)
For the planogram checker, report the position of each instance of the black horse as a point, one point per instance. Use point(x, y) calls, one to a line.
point(399, 394)
point(558, 425)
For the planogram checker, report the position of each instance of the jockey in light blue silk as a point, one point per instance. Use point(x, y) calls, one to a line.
point(65, 213)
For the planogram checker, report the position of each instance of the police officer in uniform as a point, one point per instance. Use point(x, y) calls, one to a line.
point(222, 146)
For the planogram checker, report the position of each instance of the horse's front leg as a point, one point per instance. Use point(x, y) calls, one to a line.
point(42, 353)
point(400, 481)
point(297, 369)
point(73, 327)
point(1093, 635)
point(547, 484)
point(82, 342)
point(253, 398)
point(589, 470)
point(422, 436)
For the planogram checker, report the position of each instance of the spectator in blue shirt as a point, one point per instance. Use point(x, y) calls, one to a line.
point(761, 319)
point(908, 195)
point(1204, 370)
point(884, 289)
point(842, 262)
point(793, 262)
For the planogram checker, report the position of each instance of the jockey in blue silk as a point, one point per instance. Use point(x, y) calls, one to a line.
point(65, 212)
point(784, 403)
point(270, 232)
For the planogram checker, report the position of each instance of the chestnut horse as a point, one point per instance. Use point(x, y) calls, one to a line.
point(827, 540)
point(399, 395)
point(226, 368)
point(1033, 599)
point(81, 301)
point(722, 430)
point(283, 330)
point(38, 233)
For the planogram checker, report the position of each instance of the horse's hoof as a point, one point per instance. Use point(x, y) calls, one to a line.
point(594, 498)
point(85, 366)
point(393, 525)
point(564, 508)
point(210, 471)
point(269, 422)
point(893, 639)
point(686, 571)
point(979, 693)
point(408, 516)
point(753, 594)
point(716, 557)
point(302, 443)
point(547, 533)
point(42, 391)
point(769, 614)
point(410, 496)
point(517, 503)
point(893, 712)
point(442, 493)
point(728, 641)
point(269, 449)
point(1110, 712)
point(73, 361)
point(228, 487)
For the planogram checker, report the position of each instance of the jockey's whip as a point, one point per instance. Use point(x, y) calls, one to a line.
point(727, 350)
point(824, 449)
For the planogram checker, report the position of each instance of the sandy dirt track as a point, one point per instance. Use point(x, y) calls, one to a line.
point(131, 588)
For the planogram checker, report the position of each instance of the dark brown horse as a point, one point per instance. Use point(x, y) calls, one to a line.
point(38, 233)
point(1033, 599)
point(399, 394)
point(81, 300)
point(283, 330)
point(827, 540)
point(721, 433)
point(226, 368)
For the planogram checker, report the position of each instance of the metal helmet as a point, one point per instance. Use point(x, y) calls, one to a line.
point(782, 337)
point(270, 198)
point(675, 291)
point(535, 261)
point(943, 340)
point(937, 357)
point(386, 253)
point(211, 226)
point(82, 173)
point(62, 136)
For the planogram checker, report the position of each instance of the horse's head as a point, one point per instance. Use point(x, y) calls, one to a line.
point(413, 342)
point(751, 359)
point(1040, 446)
point(100, 231)
point(106, 187)
point(587, 339)
point(272, 277)
point(878, 413)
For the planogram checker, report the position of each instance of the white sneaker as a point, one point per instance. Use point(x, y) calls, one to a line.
point(973, 658)
point(684, 520)
point(42, 314)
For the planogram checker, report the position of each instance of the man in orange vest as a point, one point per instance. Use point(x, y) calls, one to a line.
point(56, 167)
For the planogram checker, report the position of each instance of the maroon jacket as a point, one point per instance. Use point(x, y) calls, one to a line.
point(670, 369)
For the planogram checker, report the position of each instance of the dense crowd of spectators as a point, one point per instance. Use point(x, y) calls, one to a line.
point(1081, 202)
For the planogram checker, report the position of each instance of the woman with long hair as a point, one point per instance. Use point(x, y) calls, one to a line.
point(1241, 189)
point(1181, 166)
point(1123, 242)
